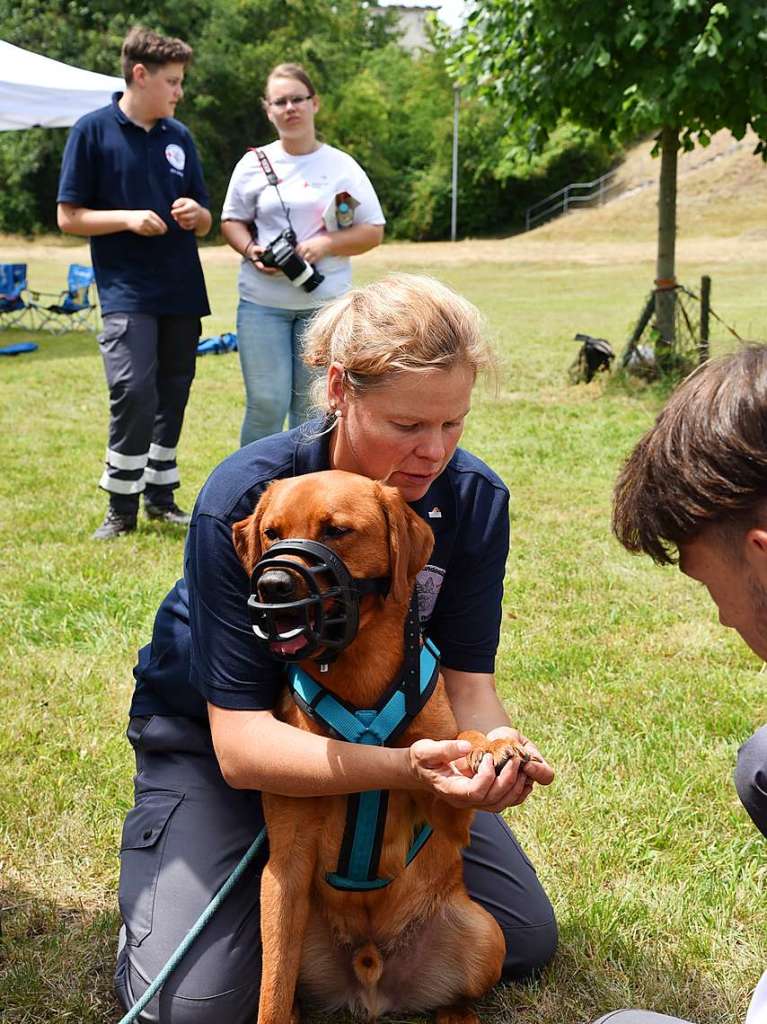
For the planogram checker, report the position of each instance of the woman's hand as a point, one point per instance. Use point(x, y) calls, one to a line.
point(316, 248)
point(252, 253)
point(440, 766)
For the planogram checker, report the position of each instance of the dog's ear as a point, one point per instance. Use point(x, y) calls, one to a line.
point(410, 542)
point(246, 535)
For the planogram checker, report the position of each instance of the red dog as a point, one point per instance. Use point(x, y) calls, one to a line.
point(420, 942)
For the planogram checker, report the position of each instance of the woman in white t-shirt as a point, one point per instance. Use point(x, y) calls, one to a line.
point(325, 197)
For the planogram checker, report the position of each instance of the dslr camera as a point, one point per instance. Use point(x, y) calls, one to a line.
point(281, 253)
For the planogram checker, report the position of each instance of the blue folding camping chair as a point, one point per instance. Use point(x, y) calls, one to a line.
point(76, 309)
point(13, 306)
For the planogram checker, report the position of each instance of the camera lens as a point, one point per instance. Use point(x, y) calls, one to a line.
point(300, 273)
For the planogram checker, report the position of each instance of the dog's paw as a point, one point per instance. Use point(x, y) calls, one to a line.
point(502, 751)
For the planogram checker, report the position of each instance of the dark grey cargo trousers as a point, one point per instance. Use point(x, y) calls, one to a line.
point(149, 362)
point(182, 839)
point(751, 778)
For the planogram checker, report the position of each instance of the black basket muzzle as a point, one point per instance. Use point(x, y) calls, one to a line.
point(325, 618)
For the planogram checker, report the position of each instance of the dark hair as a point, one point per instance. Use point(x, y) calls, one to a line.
point(142, 46)
point(290, 71)
point(703, 463)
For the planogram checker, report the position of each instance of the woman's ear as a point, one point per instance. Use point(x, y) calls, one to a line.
point(410, 542)
point(246, 535)
point(335, 390)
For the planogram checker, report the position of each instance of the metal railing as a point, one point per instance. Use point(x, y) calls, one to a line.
point(579, 193)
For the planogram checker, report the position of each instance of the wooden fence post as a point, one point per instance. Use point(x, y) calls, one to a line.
point(705, 307)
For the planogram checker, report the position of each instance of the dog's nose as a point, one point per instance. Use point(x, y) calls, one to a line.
point(277, 585)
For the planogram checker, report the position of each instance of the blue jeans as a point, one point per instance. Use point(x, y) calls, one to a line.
point(277, 381)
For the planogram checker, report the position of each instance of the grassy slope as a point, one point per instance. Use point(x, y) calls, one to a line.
point(722, 195)
point(618, 669)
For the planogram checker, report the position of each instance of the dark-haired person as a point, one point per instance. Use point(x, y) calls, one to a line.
point(335, 213)
point(131, 181)
point(694, 492)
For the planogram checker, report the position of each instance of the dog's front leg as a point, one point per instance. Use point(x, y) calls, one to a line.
point(285, 894)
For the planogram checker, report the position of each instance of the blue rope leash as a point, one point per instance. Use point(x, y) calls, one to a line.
point(194, 931)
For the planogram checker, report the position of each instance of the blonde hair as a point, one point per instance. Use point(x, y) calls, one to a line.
point(401, 323)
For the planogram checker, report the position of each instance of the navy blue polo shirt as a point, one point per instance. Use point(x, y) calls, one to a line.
point(203, 647)
point(110, 163)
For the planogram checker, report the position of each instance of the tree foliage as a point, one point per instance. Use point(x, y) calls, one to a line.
point(622, 67)
point(392, 110)
point(682, 68)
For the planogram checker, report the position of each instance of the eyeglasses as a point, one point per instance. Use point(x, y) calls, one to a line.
point(283, 101)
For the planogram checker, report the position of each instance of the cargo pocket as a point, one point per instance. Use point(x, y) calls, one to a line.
point(114, 353)
point(114, 328)
point(145, 833)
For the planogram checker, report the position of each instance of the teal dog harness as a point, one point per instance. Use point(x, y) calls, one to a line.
point(357, 869)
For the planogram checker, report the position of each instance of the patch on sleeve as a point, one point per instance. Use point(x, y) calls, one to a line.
point(428, 584)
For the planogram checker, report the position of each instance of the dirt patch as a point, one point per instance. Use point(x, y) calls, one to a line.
point(525, 249)
point(522, 249)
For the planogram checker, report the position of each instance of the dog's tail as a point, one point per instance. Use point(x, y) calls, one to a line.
point(368, 964)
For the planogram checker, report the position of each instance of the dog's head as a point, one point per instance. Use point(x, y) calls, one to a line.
point(364, 524)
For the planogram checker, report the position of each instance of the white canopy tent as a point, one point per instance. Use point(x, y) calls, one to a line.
point(36, 91)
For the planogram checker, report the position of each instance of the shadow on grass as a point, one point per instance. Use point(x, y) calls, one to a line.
point(56, 961)
point(57, 964)
point(591, 975)
point(72, 345)
point(596, 972)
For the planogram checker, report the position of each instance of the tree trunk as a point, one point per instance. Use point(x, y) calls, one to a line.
point(665, 280)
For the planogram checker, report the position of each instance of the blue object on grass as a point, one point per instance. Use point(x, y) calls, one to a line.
point(226, 342)
point(18, 348)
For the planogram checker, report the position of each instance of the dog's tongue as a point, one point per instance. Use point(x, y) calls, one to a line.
point(289, 646)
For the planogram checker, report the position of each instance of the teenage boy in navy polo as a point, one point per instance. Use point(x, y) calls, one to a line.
point(131, 181)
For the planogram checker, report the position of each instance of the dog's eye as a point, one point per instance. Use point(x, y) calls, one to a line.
point(270, 533)
point(337, 531)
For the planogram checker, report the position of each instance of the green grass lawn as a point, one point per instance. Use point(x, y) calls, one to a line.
point(618, 669)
